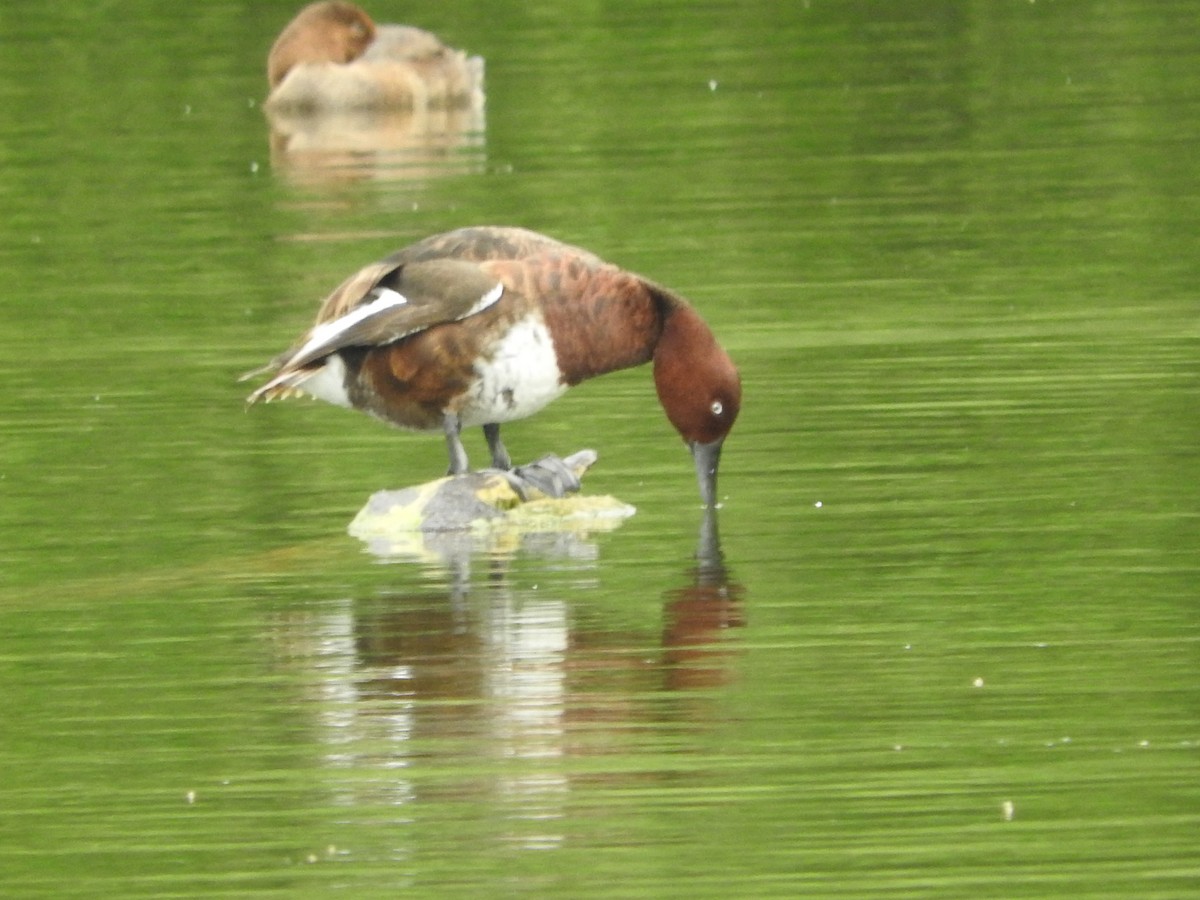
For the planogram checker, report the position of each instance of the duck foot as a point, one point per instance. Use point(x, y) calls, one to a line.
point(551, 476)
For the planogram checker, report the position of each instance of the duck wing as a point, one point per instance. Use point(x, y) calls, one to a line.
point(385, 302)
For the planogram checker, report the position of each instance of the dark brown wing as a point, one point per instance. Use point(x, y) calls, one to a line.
point(439, 278)
point(385, 302)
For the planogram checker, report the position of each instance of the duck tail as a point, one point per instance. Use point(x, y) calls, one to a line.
point(282, 387)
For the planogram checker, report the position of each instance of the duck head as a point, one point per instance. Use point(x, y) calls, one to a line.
point(334, 32)
point(700, 391)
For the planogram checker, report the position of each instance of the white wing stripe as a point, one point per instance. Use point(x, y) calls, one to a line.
point(485, 301)
point(328, 332)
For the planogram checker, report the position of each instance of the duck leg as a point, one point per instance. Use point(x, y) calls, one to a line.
point(500, 458)
point(452, 427)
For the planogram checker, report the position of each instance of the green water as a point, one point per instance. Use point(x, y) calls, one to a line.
point(952, 651)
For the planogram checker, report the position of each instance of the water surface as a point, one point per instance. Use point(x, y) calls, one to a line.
point(950, 649)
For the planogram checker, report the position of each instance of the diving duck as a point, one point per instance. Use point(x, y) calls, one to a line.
point(486, 325)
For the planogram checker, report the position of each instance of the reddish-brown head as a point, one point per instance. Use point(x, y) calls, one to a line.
point(699, 388)
point(321, 32)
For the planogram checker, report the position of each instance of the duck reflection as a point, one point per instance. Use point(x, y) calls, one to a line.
point(427, 678)
point(334, 148)
point(697, 616)
point(514, 679)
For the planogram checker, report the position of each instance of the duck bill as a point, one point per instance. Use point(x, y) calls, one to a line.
point(707, 458)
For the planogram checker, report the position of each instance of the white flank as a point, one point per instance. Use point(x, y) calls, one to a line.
point(328, 332)
point(328, 383)
point(521, 377)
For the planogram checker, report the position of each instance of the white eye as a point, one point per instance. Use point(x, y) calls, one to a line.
point(717, 408)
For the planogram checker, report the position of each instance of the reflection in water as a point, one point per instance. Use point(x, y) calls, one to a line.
point(509, 681)
point(696, 616)
point(527, 695)
point(330, 148)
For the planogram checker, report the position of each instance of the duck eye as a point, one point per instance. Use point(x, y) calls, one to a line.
point(717, 407)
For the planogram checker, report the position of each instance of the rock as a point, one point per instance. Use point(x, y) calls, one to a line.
point(538, 497)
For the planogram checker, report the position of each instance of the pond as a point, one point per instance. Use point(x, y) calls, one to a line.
point(948, 645)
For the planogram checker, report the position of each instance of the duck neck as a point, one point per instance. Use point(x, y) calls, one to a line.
point(606, 324)
point(684, 340)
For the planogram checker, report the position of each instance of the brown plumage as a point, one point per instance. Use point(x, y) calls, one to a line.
point(485, 325)
point(333, 57)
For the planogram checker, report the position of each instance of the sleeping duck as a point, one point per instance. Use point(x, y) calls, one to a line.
point(333, 58)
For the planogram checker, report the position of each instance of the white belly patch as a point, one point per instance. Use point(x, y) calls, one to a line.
point(328, 382)
point(521, 377)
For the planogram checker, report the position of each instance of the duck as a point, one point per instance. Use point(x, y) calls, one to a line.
point(332, 57)
point(485, 325)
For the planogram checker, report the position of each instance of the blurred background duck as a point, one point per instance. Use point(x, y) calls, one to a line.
point(333, 58)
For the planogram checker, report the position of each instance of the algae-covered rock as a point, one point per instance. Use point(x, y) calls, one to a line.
point(537, 498)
